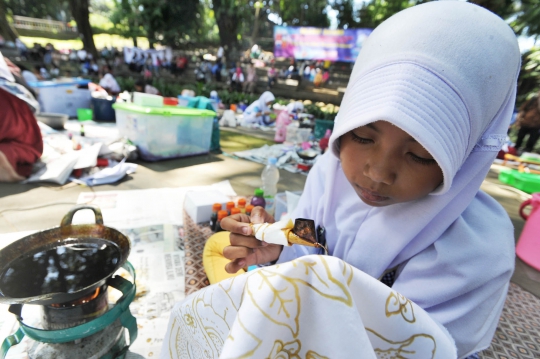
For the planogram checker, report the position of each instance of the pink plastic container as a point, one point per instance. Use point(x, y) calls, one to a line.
point(282, 120)
point(528, 246)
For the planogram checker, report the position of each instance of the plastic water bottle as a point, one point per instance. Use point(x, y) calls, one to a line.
point(270, 178)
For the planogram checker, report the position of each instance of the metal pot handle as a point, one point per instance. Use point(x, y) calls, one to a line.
point(66, 221)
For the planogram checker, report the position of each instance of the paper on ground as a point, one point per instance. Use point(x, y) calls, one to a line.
point(137, 208)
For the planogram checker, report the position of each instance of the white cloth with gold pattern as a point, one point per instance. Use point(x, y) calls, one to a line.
point(313, 307)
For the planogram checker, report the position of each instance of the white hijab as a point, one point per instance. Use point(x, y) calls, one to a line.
point(444, 72)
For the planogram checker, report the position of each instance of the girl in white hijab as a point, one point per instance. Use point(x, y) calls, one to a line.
point(426, 111)
point(258, 112)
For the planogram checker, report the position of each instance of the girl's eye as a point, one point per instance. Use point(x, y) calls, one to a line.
point(421, 160)
point(359, 139)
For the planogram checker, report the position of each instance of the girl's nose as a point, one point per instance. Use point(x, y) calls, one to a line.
point(380, 170)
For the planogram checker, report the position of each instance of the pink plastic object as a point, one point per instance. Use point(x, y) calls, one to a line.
point(528, 247)
point(282, 120)
point(306, 145)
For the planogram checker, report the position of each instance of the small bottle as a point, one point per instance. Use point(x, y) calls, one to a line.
point(242, 205)
point(229, 206)
point(82, 130)
point(270, 178)
point(213, 217)
point(221, 214)
point(258, 199)
point(235, 210)
point(249, 208)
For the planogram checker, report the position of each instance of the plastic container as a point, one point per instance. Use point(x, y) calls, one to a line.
point(221, 215)
point(296, 134)
point(249, 208)
point(270, 178)
point(85, 114)
point(53, 120)
point(63, 97)
point(528, 246)
point(282, 204)
point(170, 101)
point(242, 205)
point(229, 206)
point(147, 100)
point(321, 126)
point(216, 207)
point(103, 110)
point(183, 100)
point(527, 182)
point(166, 132)
point(258, 199)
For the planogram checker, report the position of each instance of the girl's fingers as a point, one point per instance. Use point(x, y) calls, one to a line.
point(235, 266)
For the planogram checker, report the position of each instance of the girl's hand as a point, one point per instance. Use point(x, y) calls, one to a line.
point(245, 250)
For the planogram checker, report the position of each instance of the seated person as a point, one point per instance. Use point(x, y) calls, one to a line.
point(259, 111)
point(142, 86)
point(109, 83)
point(398, 198)
point(20, 138)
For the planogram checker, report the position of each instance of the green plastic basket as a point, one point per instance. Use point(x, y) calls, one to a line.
point(527, 182)
point(84, 114)
point(321, 126)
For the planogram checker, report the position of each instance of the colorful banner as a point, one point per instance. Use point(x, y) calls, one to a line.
point(312, 43)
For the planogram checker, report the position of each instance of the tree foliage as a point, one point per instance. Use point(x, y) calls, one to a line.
point(50, 9)
point(303, 12)
point(347, 16)
point(374, 12)
point(527, 18)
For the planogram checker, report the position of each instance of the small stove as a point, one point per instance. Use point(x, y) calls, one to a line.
point(87, 327)
point(62, 277)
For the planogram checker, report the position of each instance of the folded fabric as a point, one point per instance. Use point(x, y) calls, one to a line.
point(312, 307)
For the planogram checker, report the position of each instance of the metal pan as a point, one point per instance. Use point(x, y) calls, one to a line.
point(67, 232)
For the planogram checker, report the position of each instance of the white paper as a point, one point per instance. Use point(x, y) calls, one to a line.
point(88, 156)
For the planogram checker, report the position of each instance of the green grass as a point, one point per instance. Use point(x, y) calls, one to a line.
point(234, 142)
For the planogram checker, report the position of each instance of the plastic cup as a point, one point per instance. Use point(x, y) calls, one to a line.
point(84, 114)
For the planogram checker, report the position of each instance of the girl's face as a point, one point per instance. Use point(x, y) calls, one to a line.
point(385, 165)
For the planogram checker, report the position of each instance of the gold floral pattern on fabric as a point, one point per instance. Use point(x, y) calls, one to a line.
point(284, 303)
point(315, 307)
point(416, 346)
point(398, 304)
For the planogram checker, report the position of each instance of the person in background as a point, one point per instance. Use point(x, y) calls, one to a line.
point(318, 79)
point(21, 144)
point(272, 76)
point(528, 123)
point(251, 79)
point(28, 76)
point(108, 82)
point(219, 55)
point(142, 86)
point(259, 111)
point(325, 76)
point(237, 79)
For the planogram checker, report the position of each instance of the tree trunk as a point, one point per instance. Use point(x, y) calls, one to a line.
point(227, 22)
point(5, 29)
point(255, 26)
point(135, 41)
point(79, 11)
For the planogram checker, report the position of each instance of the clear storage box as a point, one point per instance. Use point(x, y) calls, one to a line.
point(166, 132)
point(63, 97)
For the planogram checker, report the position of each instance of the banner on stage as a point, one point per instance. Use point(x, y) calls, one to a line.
point(312, 43)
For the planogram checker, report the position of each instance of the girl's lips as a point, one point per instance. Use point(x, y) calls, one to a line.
point(371, 196)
